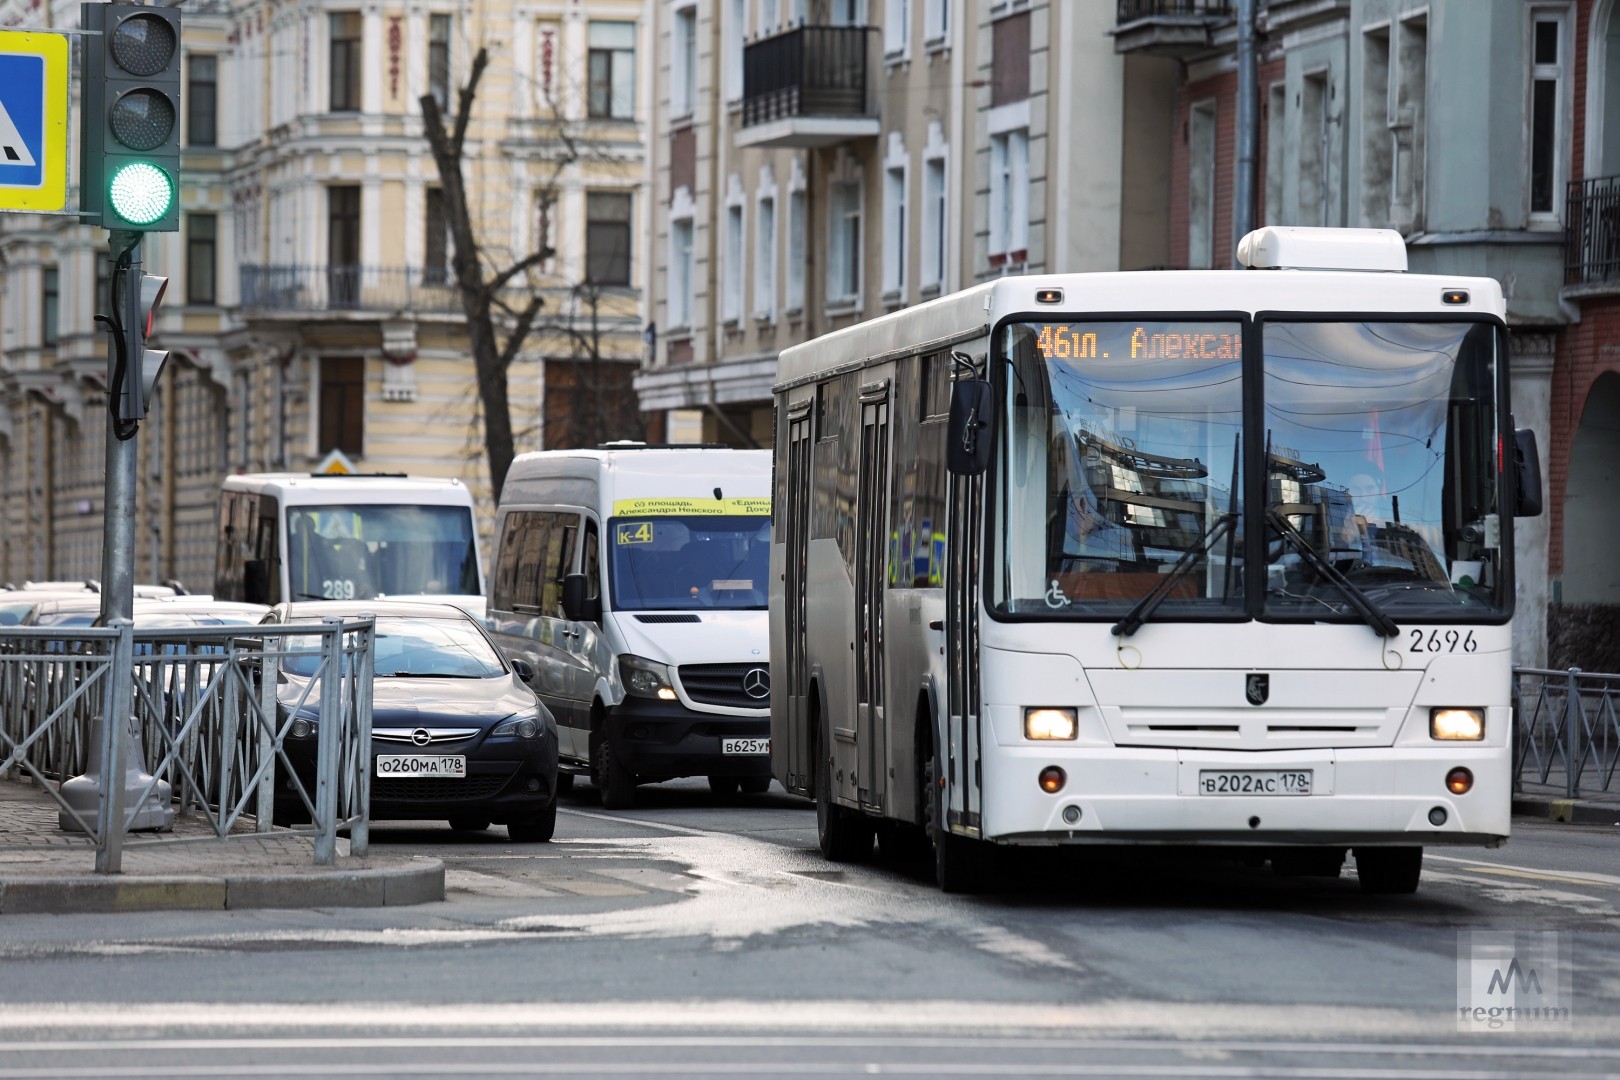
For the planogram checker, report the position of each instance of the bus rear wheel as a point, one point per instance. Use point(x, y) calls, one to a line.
point(1390, 871)
point(844, 835)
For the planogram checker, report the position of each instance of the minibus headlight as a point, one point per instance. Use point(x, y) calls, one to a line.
point(1451, 724)
point(646, 678)
point(1050, 723)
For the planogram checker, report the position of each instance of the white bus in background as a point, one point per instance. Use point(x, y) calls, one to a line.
point(1209, 557)
point(298, 536)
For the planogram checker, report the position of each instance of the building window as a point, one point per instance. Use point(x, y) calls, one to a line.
point(680, 272)
point(770, 14)
point(50, 306)
point(612, 70)
point(683, 62)
point(1009, 197)
point(1315, 131)
point(1201, 186)
point(795, 251)
point(765, 258)
point(1408, 122)
point(201, 259)
point(896, 27)
point(435, 239)
point(202, 85)
point(844, 242)
point(343, 245)
point(1276, 114)
point(343, 404)
point(894, 227)
point(607, 238)
point(1546, 98)
point(344, 60)
point(731, 294)
point(736, 32)
point(934, 224)
point(1009, 65)
point(439, 59)
point(936, 21)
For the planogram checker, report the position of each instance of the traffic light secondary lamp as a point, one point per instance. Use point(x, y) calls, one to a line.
point(130, 127)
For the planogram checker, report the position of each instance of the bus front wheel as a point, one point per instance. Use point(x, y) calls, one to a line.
point(961, 864)
point(844, 835)
point(1389, 871)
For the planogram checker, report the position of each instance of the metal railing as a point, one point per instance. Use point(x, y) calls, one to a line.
point(1132, 10)
point(1592, 230)
point(1565, 722)
point(806, 71)
point(203, 704)
point(349, 288)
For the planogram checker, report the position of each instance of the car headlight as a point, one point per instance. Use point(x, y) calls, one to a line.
point(304, 727)
point(1050, 723)
point(523, 726)
point(646, 678)
point(1451, 723)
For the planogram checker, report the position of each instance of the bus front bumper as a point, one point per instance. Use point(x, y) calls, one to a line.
point(1361, 797)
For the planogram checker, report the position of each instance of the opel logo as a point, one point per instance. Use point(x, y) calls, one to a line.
point(757, 683)
point(421, 736)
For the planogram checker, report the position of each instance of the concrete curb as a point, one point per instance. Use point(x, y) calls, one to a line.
point(1569, 811)
point(419, 882)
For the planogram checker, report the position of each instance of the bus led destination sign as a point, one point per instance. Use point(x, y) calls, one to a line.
point(1138, 341)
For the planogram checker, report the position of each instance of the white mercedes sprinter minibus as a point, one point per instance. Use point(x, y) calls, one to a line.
point(633, 580)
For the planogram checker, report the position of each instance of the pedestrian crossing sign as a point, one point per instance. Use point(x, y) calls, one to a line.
point(33, 120)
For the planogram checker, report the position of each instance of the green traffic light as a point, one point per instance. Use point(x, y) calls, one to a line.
point(140, 192)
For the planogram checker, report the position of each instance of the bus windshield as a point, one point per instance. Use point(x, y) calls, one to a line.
point(1120, 457)
point(364, 551)
point(677, 562)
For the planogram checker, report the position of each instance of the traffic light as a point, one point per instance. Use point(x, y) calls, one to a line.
point(144, 365)
point(130, 121)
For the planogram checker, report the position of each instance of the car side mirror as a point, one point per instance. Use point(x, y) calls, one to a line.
point(1527, 470)
point(970, 428)
point(576, 605)
point(522, 669)
point(256, 581)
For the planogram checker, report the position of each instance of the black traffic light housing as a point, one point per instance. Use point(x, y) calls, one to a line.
point(130, 120)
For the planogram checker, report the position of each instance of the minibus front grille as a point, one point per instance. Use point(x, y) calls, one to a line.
point(735, 686)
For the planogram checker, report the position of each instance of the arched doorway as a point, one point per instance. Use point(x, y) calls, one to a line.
point(1592, 500)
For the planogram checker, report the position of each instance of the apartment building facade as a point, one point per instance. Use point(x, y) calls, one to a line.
point(814, 163)
point(312, 307)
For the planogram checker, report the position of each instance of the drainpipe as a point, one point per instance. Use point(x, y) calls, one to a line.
point(1248, 126)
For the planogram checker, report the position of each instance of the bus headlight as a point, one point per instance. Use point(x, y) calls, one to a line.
point(645, 678)
point(1457, 724)
point(1048, 723)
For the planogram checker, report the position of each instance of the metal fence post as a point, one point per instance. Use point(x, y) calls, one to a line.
point(114, 735)
point(269, 717)
point(1572, 737)
point(360, 831)
point(326, 763)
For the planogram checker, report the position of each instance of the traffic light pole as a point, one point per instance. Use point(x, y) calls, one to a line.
point(126, 346)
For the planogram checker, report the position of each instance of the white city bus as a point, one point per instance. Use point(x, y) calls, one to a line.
point(298, 536)
point(1205, 557)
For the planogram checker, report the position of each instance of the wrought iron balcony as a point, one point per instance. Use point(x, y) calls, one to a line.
point(1177, 28)
point(339, 288)
point(1592, 231)
point(807, 87)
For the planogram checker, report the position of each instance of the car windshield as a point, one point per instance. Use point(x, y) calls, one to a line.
point(407, 647)
point(363, 552)
point(1119, 460)
point(689, 561)
point(1381, 445)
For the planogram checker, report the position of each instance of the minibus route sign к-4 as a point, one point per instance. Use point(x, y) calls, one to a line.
point(680, 507)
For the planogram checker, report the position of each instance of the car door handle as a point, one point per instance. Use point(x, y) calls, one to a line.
point(570, 633)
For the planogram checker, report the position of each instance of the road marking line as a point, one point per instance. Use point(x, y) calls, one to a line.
point(677, 829)
point(1573, 877)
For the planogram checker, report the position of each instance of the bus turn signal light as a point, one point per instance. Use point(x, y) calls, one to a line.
point(1454, 724)
point(1045, 723)
point(1459, 781)
point(1053, 779)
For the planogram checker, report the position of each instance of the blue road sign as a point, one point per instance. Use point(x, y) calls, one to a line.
point(33, 121)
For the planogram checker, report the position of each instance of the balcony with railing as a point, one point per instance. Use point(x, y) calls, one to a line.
point(807, 87)
point(1175, 28)
point(363, 290)
point(1592, 233)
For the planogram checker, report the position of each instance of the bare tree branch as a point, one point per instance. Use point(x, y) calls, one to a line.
point(514, 340)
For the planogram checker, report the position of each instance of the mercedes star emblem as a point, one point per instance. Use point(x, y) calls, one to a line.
point(757, 683)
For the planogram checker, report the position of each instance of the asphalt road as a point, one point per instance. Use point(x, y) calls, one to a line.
point(695, 938)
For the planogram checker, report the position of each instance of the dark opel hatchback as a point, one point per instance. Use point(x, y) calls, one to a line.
point(456, 734)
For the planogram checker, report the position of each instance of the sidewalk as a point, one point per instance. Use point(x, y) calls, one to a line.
point(1551, 802)
point(44, 869)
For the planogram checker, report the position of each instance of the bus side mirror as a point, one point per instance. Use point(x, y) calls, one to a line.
point(967, 439)
point(1527, 467)
point(256, 581)
point(577, 607)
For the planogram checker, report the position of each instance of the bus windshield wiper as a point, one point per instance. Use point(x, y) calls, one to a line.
point(1369, 611)
point(1133, 620)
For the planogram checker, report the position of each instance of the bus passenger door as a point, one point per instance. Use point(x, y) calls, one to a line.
point(795, 686)
point(960, 756)
point(871, 531)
